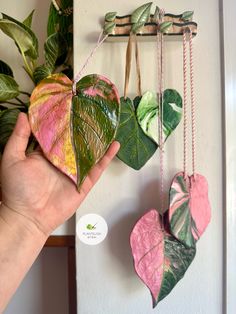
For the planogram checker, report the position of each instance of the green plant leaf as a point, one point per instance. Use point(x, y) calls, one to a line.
point(41, 72)
point(109, 27)
point(187, 16)
point(136, 148)
point(110, 16)
point(62, 23)
point(95, 118)
point(55, 49)
point(148, 113)
point(33, 51)
point(28, 21)
point(165, 27)
point(7, 123)
point(53, 20)
point(8, 87)
point(5, 69)
point(23, 36)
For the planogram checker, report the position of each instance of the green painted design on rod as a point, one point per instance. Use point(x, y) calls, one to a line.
point(140, 16)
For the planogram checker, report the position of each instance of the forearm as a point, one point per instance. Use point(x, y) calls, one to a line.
point(20, 244)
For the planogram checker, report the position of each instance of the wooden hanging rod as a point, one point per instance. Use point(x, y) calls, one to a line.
point(149, 30)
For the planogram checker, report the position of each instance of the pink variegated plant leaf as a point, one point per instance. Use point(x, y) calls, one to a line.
point(189, 210)
point(74, 132)
point(159, 259)
point(49, 116)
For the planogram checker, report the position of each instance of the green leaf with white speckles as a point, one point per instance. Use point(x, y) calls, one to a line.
point(148, 113)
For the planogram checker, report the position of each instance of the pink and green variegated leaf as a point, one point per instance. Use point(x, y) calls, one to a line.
point(49, 115)
point(189, 210)
point(159, 259)
point(74, 132)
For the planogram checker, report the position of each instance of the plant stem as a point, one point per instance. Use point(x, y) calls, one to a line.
point(27, 67)
point(10, 103)
point(20, 101)
point(25, 93)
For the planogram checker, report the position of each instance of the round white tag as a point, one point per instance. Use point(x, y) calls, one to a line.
point(91, 229)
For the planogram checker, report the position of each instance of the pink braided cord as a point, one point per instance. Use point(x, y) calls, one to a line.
point(160, 45)
point(79, 75)
point(185, 102)
point(192, 103)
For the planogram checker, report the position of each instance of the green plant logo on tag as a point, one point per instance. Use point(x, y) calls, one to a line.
point(91, 229)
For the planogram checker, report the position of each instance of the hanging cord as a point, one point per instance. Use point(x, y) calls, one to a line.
point(132, 38)
point(138, 70)
point(185, 102)
point(192, 102)
point(160, 57)
point(185, 105)
point(78, 76)
point(160, 43)
point(128, 65)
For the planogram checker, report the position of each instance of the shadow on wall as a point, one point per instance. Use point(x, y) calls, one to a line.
point(119, 231)
point(40, 23)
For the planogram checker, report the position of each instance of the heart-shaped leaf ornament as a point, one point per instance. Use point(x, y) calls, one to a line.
point(189, 210)
point(136, 148)
point(159, 259)
point(74, 132)
point(148, 113)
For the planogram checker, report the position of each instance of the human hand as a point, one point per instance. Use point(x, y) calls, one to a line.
point(34, 190)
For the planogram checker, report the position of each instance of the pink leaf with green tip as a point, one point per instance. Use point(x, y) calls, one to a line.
point(159, 259)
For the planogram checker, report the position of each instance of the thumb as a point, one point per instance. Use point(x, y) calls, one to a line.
point(18, 141)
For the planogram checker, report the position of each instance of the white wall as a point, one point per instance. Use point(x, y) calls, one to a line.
point(107, 282)
point(229, 49)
